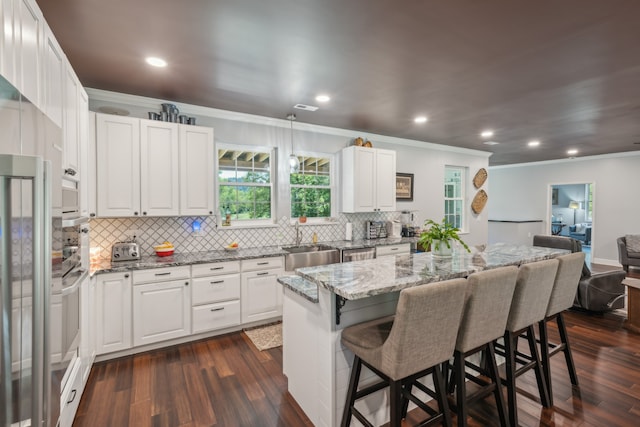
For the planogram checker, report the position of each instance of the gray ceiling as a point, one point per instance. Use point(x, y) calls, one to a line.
point(564, 72)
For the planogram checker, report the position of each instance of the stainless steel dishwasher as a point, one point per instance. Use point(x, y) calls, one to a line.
point(358, 254)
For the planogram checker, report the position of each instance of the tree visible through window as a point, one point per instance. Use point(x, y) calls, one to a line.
point(245, 184)
point(311, 188)
point(454, 195)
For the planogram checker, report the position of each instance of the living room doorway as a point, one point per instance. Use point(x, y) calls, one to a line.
point(572, 208)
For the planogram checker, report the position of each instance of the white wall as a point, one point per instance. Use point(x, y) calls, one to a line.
point(425, 160)
point(522, 192)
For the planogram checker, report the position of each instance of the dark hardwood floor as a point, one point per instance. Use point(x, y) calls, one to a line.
point(225, 381)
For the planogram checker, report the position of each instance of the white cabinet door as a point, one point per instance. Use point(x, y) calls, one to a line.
point(54, 63)
point(70, 131)
point(261, 296)
point(86, 168)
point(162, 311)
point(118, 165)
point(29, 26)
point(159, 164)
point(385, 180)
point(368, 179)
point(196, 171)
point(8, 41)
point(87, 327)
point(113, 312)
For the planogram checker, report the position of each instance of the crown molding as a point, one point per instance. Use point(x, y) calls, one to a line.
point(189, 109)
point(575, 159)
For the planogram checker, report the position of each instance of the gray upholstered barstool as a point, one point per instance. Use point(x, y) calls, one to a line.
point(528, 307)
point(411, 344)
point(489, 295)
point(562, 296)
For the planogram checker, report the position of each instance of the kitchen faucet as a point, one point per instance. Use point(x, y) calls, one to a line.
point(298, 234)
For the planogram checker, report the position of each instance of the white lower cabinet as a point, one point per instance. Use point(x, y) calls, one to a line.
point(261, 293)
point(215, 296)
point(70, 397)
point(113, 312)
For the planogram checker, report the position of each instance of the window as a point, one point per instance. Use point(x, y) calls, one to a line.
point(245, 183)
point(311, 188)
point(454, 178)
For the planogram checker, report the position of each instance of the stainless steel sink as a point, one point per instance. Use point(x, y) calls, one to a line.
point(309, 256)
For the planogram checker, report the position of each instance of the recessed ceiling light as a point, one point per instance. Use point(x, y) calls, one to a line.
point(572, 152)
point(533, 143)
point(491, 143)
point(323, 98)
point(421, 119)
point(156, 62)
point(486, 133)
point(306, 107)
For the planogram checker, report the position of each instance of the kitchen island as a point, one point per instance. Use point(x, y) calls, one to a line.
point(315, 362)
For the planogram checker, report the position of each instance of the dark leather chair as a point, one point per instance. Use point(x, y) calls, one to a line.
point(627, 259)
point(596, 292)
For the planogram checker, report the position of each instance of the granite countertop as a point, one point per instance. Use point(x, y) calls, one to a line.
point(153, 261)
point(301, 286)
point(361, 279)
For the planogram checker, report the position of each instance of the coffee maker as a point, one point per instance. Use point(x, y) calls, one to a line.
point(408, 230)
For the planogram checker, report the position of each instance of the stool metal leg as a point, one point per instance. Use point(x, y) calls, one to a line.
point(510, 346)
point(395, 403)
point(495, 377)
point(540, 379)
point(461, 392)
point(439, 383)
point(351, 391)
point(567, 349)
point(545, 358)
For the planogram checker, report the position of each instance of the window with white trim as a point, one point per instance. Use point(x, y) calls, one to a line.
point(454, 178)
point(311, 187)
point(245, 183)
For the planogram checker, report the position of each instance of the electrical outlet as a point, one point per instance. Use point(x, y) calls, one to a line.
point(131, 233)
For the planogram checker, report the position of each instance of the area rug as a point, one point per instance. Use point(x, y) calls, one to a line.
point(266, 336)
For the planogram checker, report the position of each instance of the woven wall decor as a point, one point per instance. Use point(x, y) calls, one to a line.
point(480, 178)
point(479, 201)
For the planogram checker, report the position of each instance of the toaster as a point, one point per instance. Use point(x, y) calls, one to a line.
point(125, 251)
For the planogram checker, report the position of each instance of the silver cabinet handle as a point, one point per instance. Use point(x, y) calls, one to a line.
point(217, 309)
point(263, 263)
point(216, 268)
point(163, 274)
point(394, 249)
point(70, 171)
point(217, 281)
point(262, 274)
point(73, 396)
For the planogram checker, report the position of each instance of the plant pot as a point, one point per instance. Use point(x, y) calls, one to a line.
point(302, 219)
point(439, 248)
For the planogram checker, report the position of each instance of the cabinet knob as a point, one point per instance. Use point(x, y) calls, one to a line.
point(210, 212)
point(144, 213)
point(92, 215)
point(70, 171)
point(126, 276)
point(186, 283)
point(135, 213)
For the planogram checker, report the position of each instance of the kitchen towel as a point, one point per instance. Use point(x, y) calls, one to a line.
point(348, 232)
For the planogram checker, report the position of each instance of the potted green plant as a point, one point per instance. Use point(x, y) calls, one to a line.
point(439, 237)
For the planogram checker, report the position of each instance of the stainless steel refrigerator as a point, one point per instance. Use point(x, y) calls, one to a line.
point(30, 251)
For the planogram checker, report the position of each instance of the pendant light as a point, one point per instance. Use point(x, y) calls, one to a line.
point(294, 163)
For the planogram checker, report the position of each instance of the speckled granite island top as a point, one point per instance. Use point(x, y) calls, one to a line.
point(361, 279)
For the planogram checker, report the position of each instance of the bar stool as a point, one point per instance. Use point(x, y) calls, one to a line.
point(489, 295)
point(562, 296)
point(409, 345)
point(528, 307)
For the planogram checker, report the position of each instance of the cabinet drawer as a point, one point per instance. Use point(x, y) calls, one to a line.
point(161, 274)
point(214, 268)
point(404, 248)
point(215, 288)
point(215, 316)
point(261, 263)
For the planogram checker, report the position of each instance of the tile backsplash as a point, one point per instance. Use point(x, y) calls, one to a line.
point(178, 230)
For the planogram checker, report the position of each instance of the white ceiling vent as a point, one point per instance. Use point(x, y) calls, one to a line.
point(305, 107)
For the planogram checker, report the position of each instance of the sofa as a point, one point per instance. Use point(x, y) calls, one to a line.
point(629, 251)
point(596, 292)
point(582, 232)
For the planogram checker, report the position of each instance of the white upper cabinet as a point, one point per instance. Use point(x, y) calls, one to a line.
point(7, 42)
point(70, 127)
point(28, 33)
point(159, 189)
point(118, 168)
point(368, 179)
point(87, 160)
point(54, 65)
point(196, 171)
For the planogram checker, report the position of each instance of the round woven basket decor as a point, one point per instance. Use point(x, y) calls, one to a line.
point(479, 201)
point(480, 178)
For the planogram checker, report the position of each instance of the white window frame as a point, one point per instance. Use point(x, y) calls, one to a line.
point(463, 194)
point(332, 188)
point(272, 184)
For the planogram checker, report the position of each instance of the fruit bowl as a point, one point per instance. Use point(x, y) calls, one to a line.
point(164, 251)
point(230, 248)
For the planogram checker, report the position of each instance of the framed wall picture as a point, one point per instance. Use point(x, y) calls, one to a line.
point(554, 196)
point(404, 187)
